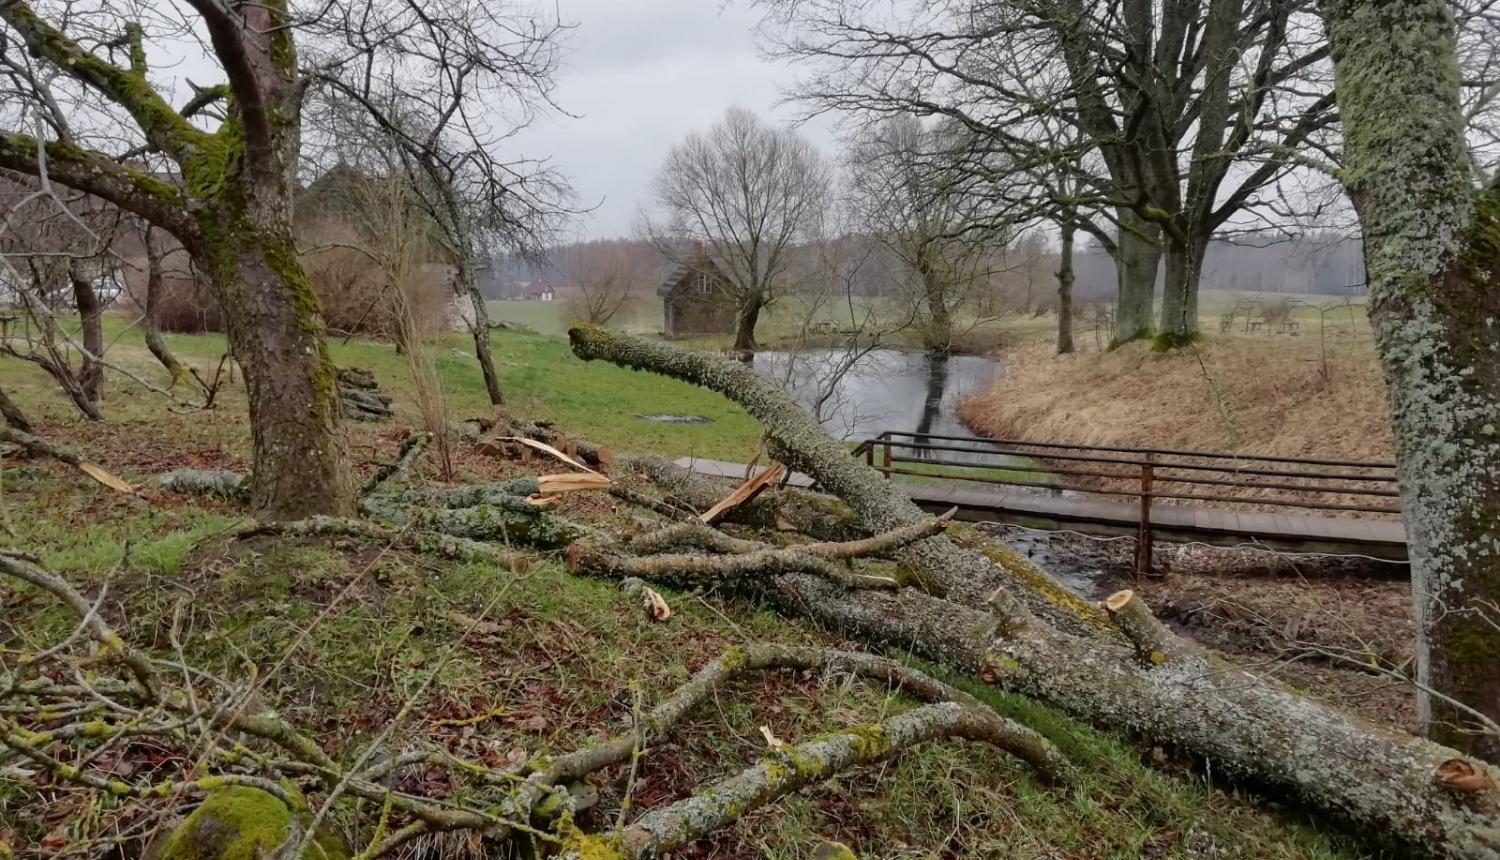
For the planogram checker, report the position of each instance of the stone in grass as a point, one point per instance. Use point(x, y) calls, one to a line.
point(243, 823)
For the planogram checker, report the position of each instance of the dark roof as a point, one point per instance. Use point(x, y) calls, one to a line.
point(680, 274)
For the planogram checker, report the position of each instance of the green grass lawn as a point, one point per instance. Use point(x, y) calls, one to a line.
point(540, 376)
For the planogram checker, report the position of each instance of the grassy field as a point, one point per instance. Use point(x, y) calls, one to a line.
point(643, 315)
point(338, 636)
point(539, 374)
point(784, 325)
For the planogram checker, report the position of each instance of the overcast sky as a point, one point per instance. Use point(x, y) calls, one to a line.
point(641, 76)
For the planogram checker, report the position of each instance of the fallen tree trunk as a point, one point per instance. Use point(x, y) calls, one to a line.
point(1134, 675)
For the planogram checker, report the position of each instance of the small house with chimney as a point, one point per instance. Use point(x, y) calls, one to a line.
point(696, 298)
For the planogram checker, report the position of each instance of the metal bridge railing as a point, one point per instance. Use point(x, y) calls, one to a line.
point(1147, 474)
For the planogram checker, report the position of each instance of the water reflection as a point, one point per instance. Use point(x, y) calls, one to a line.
point(858, 397)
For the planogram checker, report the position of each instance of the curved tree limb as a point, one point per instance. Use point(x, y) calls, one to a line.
point(411, 450)
point(798, 441)
point(782, 772)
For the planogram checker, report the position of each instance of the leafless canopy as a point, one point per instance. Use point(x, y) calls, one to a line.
point(751, 193)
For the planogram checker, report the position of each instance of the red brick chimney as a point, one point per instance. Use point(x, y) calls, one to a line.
point(697, 249)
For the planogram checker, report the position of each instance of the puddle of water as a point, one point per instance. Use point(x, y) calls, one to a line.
point(667, 418)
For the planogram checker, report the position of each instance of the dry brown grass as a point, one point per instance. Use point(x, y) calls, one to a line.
point(1250, 395)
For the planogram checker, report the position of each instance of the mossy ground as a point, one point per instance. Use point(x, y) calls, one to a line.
point(338, 634)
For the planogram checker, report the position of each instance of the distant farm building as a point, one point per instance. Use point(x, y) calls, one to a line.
point(696, 299)
point(539, 291)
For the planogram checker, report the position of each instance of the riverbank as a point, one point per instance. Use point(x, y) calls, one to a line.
point(1318, 623)
point(1270, 395)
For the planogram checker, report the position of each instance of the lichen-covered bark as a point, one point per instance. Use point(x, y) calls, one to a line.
point(783, 771)
point(1179, 303)
point(203, 482)
point(1246, 726)
point(795, 438)
point(1137, 257)
point(749, 560)
point(1432, 254)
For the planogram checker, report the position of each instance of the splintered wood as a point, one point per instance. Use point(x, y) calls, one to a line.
point(499, 446)
point(67, 455)
point(744, 493)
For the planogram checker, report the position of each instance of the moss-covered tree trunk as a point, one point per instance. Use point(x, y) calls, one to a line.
point(1432, 251)
point(242, 182)
point(1065, 289)
point(1137, 257)
point(276, 331)
point(91, 319)
point(1179, 302)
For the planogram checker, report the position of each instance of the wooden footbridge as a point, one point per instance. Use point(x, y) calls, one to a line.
point(1278, 503)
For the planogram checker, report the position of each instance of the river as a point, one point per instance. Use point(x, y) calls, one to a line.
point(916, 392)
point(858, 397)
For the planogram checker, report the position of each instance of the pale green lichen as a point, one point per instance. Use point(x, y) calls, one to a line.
point(1432, 248)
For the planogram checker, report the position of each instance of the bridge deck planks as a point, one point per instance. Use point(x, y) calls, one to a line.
point(1381, 538)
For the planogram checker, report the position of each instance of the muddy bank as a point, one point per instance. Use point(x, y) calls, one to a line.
point(1337, 627)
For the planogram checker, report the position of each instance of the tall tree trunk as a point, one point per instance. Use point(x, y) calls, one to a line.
point(1179, 304)
point(746, 321)
point(1432, 253)
point(937, 334)
point(481, 328)
point(150, 324)
point(91, 315)
point(1138, 254)
point(1065, 289)
point(13, 415)
point(276, 333)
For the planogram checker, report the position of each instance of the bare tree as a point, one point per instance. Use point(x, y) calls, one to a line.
point(59, 242)
point(227, 200)
point(226, 193)
point(494, 68)
point(1166, 98)
point(907, 194)
point(751, 193)
point(1431, 254)
point(605, 277)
